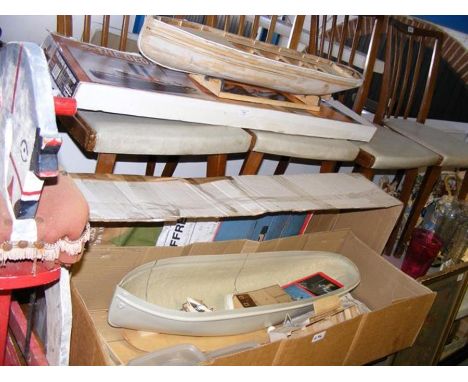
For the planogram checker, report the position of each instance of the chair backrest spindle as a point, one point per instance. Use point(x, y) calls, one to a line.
point(331, 41)
point(296, 31)
point(271, 29)
point(313, 35)
point(343, 37)
point(401, 70)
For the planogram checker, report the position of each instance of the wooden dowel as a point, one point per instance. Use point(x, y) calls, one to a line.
point(124, 33)
point(408, 64)
point(271, 29)
point(344, 35)
point(331, 40)
point(296, 31)
point(355, 42)
point(87, 29)
point(414, 80)
point(254, 31)
point(240, 30)
point(322, 35)
point(313, 36)
point(105, 30)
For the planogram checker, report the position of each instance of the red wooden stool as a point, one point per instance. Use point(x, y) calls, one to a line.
point(13, 276)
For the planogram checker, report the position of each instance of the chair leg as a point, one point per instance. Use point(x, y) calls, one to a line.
point(252, 163)
point(366, 171)
point(408, 184)
point(170, 167)
point(464, 187)
point(328, 166)
point(150, 166)
point(105, 163)
point(430, 179)
point(282, 165)
point(216, 165)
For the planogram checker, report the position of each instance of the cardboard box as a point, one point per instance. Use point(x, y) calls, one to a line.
point(399, 304)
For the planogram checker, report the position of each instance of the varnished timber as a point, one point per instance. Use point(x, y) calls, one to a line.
point(271, 29)
point(282, 166)
point(216, 165)
point(105, 30)
point(430, 179)
point(105, 163)
point(328, 166)
point(408, 184)
point(170, 166)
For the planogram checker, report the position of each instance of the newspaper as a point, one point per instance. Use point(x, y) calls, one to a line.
point(147, 199)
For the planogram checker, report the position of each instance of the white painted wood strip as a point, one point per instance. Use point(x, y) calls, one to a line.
point(190, 109)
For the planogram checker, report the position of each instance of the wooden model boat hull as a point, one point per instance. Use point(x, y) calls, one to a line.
point(150, 297)
point(195, 48)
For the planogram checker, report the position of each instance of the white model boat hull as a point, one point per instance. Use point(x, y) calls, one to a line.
point(149, 298)
point(193, 48)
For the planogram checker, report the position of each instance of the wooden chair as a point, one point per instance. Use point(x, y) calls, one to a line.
point(112, 134)
point(328, 42)
point(405, 50)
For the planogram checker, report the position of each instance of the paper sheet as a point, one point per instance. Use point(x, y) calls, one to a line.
point(148, 199)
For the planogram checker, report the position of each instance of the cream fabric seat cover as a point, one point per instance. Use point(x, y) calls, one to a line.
point(450, 146)
point(393, 151)
point(305, 147)
point(124, 134)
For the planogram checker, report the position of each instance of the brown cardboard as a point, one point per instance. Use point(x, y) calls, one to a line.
point(399, 304)
point(309, 349)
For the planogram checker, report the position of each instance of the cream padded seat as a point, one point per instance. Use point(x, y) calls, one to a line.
point(394, 151)
point(124, 134)
point(305, 147)
point(450, 146)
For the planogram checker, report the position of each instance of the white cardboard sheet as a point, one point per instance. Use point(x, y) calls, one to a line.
point(117, 198)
